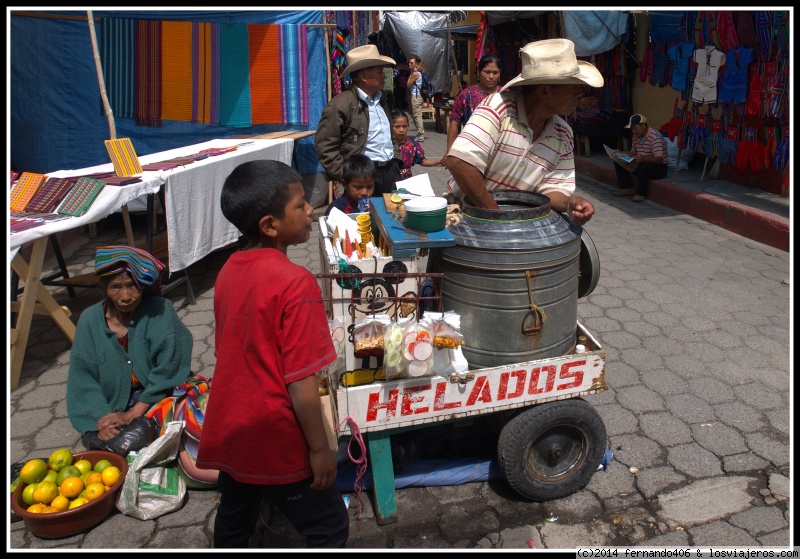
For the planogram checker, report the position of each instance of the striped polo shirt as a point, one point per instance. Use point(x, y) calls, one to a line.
point(651, 144)
point(498, 142)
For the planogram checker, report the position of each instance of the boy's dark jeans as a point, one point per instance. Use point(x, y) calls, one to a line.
point(320, 516)
point(644, 171)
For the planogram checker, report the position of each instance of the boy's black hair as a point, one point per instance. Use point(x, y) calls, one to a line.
point(357, 165)
point(255, 189)
point(397, 113)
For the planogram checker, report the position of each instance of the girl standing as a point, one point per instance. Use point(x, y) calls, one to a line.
point(410, 150)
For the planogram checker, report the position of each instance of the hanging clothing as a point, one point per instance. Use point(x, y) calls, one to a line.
point(733, 85)
point(680, 54)
point(708, 60)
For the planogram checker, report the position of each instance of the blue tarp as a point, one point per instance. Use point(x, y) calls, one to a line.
point(56, 111)
point(427, 472)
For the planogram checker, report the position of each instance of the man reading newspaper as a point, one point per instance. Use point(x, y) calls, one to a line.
point(646, 160)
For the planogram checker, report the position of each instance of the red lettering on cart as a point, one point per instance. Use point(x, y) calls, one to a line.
point(438, 400)
point(565, 374)
point(374, 405)
point(480, 391)
point(534, 383)
point(409, 398)
point(502, 390)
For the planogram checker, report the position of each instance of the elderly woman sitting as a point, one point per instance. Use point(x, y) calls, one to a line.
point(130, 351)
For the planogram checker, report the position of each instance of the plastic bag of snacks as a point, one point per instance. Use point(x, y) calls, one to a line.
point(368, 334)
point(394, 364)
point(447, 330)
point(418, 348)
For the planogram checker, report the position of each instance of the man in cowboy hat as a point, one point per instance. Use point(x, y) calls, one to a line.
point(649, 151)
point(358, 121)
point(516, 140)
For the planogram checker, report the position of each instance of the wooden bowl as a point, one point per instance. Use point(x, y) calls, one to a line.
point(74, 521)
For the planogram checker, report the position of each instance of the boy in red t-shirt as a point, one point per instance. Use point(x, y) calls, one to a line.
point(263, 427)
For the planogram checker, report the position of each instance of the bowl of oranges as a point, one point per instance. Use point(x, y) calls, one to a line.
point(69, 493)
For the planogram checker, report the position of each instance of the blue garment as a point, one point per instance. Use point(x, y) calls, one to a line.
point(733, 86)
point(681, 54)
point(378, 145)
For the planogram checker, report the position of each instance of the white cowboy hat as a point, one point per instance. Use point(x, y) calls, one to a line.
point(364, 57)
point(553, 61)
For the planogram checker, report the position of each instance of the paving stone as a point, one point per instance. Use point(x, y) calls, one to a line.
point(654, 481)
point(759, 520)
point(718, 438)
point(694, 461)
point(745, 462)
point(636, 451)
point(665, 428)
point(713, 533)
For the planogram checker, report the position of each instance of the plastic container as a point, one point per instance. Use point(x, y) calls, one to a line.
point(427, 213)
point(74, 521)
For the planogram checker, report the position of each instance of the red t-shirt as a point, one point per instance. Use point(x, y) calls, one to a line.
point(271, 330)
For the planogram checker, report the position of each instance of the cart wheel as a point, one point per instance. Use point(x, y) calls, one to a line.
point(551, 450)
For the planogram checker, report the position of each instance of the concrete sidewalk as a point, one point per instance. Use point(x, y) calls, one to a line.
point(746, 211)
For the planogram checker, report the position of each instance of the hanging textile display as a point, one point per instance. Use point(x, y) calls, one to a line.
point(480, 39)
point(147, 70)
point(234, 76)
point(276, 90)
point(176, 70)
point(708, 60)
point(205, 73)
point(117, 48)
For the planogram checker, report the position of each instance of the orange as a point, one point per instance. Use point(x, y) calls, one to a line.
point(101, 465)
point(110, 475)
point(94, 490)
point(52, 475)
point(71, 487)
point(60, 458)
point(27, 494)
point(33, 471)
point(65, 472)
point(49, 509)
point(36, 508)
point(94, 477)
point(45, 492)
point(83, 465)
point(80, 501)
point(60, 503)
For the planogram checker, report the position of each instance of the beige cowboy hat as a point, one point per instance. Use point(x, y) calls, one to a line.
point(553, 61)
point(364, 57)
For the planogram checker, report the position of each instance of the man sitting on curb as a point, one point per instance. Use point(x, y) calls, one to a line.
point(649, 151)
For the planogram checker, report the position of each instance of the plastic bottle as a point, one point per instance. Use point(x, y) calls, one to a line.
point(580, 348)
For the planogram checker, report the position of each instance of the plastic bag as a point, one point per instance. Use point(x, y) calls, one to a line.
point(131, 437)
point(394, 364)
point(418, 348)
point(152, 486)
point(330, 374)
point(446, 330)
point(368, 335)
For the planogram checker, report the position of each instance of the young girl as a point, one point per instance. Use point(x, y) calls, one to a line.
point(410, 150)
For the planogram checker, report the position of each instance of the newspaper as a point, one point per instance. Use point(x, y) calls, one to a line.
point(622, 158)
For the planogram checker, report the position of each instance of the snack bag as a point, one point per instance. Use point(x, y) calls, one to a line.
point(446, 330)
point(418, 348)
point(368, 334)
point(394, 364)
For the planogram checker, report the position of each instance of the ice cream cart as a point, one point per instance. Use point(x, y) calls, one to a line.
point(553, 440)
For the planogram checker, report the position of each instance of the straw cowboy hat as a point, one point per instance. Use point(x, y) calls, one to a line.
point(553, 61)
point(364, 57)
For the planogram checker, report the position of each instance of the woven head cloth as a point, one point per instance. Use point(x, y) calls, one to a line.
point(142, 266)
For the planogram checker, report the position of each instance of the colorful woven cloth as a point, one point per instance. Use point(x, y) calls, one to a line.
point(117, 48)
point(147, 70)
point(234, 77)
point(51, 193)
point(123, 156)
point(294, 74)
point(79, 199)
point(176, 70)
point(25, 189)
point(144, 267)
point(205, 73)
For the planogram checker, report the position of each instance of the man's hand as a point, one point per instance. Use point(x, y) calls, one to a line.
point(579, 209)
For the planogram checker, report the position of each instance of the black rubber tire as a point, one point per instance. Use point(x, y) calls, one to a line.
point(551, 450)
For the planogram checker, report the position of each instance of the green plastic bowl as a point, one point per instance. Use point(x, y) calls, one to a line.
point(426, 214)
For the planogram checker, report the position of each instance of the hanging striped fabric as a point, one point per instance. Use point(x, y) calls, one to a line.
point(234, 76)
point(176, 70)
point(25, 189)
point(49, 195)
point(294, 74)
point(80, 198)
point(147, 71)
point(123, 156)
point(117, 50)
point(205, 73)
